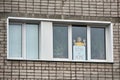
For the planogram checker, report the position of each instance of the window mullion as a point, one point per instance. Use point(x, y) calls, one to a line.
point(88, 43)
point(23, 41)
point(46, 41)
point(39, 40)
point(70, 42)
point(8, 53)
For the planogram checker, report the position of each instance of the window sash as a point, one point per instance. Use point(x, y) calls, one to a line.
point(89, 45)
point(24, 54)
point(32, 41)
point(88, 51)
point(56, 45)
point(23, 41)
point(83, 36)
point(108, 33)
point(104, 43)
point(15, 41)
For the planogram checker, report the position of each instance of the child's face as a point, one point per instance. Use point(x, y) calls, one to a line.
point(78, 39)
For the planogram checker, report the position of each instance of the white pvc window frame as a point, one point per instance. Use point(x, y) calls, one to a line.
point(46, 33)
point(23, 40)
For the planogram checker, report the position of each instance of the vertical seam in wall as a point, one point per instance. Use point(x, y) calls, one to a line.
point(47, 7)
point(118, 34)
point(4, 62)
point(96, 8)
point(4, 5)
point(112, 72)
point(11, 6)
point(32, 7)
point(63, 70)
point(97, 72)
point(55, 7)
point(74, 12)
point(70, 71)
point(110, 9)
point(48, 71)
point(89, 7)
point(68, 7)
point(41, 71)
point(83, 70)
point(62, 5)
point(103, 9)
point(81, 7)
point(105, 71)
point(18, 6)
point(19, 71)
point(90, 71)
point(34, 69)
point(118, 8)
point(56, 70)
point(119, 50)
point(3, 68)
point(26, 6)
point(11, 68)
point(75, 71)
point(26, 69)
point(40, 7)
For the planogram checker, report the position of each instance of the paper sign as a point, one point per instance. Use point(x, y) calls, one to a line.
point(79, 53)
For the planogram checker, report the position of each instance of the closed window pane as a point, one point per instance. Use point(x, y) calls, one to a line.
point(98, 43)
point(60, 41)
point(15, 42)
point(32, 41)
point(79, 39)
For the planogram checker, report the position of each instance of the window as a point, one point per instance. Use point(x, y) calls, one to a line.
point(15, 43)
point(79, 42)
point(98, 43)
point(59, 40)
point(23, 41)
point(32, 41)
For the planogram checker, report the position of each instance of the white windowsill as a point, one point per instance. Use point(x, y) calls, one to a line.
point(64, 60)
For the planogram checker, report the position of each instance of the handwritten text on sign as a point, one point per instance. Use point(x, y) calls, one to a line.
point(79, 53)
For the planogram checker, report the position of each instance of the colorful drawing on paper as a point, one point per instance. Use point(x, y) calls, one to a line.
point(79, 49)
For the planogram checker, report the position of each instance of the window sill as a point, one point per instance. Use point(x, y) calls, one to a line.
point(63, 60)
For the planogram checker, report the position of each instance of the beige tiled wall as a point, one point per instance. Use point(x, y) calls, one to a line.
point(100, 10)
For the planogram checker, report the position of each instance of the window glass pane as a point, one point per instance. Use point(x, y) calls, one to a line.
point(32, 41)
point(98, 43)
point(60, 41)
point(79, 40)
point(15, 41)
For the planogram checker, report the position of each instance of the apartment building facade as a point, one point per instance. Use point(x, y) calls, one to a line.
point(59, 40)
